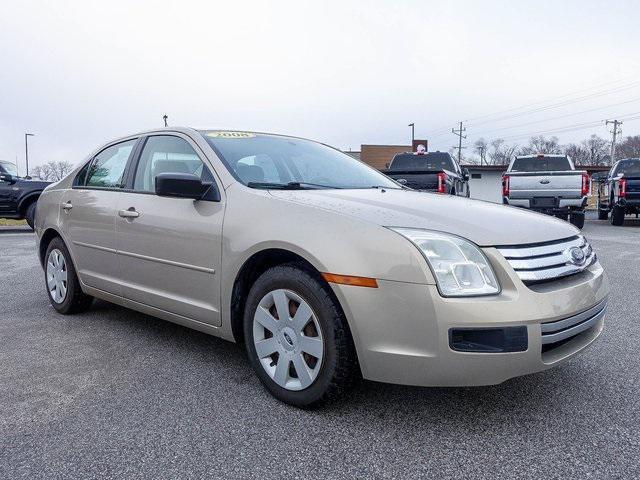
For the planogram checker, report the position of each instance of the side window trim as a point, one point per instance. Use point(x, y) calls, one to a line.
point(93, 159)
point(137, 155)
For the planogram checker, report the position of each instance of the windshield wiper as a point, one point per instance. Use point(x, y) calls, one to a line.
point(288, 186)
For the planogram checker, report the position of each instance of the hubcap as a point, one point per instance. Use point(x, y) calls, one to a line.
point(288, 339)
point(57, 276)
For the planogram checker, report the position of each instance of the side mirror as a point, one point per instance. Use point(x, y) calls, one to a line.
point(7, 177)
point(465, 173)
point(185, 185)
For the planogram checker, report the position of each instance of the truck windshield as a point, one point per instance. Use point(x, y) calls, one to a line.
point(10, 168)
point(272, 161)
point(541, 164)
point(430, 161)
point(629, 167)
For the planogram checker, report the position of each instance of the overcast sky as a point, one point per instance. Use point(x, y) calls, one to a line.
point(80, 73)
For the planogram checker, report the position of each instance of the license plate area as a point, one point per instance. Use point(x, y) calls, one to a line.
point(545, 202)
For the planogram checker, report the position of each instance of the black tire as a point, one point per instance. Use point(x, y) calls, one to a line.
point(339, 369)
point(603, 214)
point(577, 219)
point(30, 214)
point(617, 216)
point(75, 300)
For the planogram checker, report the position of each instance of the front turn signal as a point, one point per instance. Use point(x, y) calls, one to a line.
point(350, 280)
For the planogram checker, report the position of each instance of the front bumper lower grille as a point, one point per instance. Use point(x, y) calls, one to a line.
point(550, 260)
point(560, 331)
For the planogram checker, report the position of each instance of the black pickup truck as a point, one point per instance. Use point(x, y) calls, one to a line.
point(619, 191)
point(434, 172)
point(18, 196)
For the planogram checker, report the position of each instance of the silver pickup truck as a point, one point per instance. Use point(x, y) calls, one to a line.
point(549, 184)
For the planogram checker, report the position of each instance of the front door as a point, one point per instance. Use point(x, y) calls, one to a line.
point(88, 214)
point(169, 249)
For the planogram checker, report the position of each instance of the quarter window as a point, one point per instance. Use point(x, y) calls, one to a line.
point(167, 154)
point(107, 168)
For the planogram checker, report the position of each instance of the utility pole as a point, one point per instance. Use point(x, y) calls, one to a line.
point(26, 152)
point(165, 117)
point(412, 125)
point(616, 131)
point(460, 135)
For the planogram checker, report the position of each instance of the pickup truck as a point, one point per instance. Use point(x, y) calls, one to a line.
point(548, 184)
point(433, 172)
point(619, 191)
point(18, 196)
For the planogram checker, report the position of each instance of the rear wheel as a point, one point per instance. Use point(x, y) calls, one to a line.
point(577, 219)
point(297, 338)
point(63, 286)
point(30, 214)
point(617, 216)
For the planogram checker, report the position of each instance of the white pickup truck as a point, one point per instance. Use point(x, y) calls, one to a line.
point(549, 184)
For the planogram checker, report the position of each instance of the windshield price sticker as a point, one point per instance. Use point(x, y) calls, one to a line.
point(231, 134)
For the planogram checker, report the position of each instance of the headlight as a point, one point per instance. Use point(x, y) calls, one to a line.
point(460, 268)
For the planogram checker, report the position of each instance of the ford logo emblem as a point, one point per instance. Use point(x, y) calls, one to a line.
point(402, 180)
point(544, 181)
point(576, 256)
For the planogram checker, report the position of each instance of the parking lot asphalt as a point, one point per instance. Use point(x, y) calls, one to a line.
point(112, 393)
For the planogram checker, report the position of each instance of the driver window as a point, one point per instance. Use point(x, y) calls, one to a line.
point(166, 154)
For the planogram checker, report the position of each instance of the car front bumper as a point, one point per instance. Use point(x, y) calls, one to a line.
point(402, 330)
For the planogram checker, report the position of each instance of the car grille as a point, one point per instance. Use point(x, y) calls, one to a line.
point(559, 332)
point(543, 262)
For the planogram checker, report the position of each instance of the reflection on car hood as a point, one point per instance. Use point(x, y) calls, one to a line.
point(484, 223)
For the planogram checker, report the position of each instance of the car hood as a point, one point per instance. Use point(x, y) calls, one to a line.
point(484, 223)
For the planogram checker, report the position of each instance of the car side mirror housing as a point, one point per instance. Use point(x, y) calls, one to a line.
point(7, 177)
point(465, 174)
point(185, 185)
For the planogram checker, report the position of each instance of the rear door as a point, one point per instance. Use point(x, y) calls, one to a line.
point(88, 213)
point(169, 254)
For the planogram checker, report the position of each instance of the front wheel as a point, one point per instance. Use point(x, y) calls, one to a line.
point(297, 338)
point(63, 286)
point(617, 216)
point(30, 215)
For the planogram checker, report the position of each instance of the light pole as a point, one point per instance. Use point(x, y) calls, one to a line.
point(412, 125)
point(26, 151)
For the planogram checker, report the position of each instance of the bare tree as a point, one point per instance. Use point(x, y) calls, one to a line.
point(53, 171)
point(501, 153)
point(628, 148)
point(578, 153)
point(480, 147)
point(541, 144)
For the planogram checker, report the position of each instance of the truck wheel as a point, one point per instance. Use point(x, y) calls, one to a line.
point(617, 216)
point(30, 214)
point(297, 338)
point(63, 286)
point(577, 219)
point(603, 214)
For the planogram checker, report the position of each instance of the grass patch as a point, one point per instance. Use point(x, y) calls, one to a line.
point(8, 222)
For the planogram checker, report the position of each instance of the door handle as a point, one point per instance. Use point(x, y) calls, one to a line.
point(67, 206)
point(130, 213)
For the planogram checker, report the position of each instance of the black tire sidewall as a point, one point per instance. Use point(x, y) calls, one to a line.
point(30, 215)
point(312, 291)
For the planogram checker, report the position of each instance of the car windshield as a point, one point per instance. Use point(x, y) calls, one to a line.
point(541, 164)
point(430, 161)
point(10, 168)
point(271, 161)
point(629, 167)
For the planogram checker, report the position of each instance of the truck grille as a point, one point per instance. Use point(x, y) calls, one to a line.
point(543, 262)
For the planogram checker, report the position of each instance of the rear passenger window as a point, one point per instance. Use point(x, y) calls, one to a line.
point(107, 168)
point(166, 154)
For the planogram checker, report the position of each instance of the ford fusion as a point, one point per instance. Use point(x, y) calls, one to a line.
point(326, 270)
